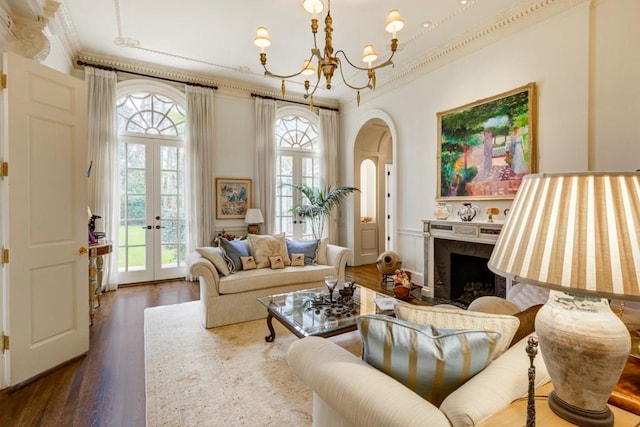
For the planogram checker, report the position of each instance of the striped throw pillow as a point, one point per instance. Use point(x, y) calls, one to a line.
point(431, 362)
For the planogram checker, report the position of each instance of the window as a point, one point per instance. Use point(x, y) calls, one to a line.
point(297, 162)
point(152, 211)
point(368, 191)
point(151, 114)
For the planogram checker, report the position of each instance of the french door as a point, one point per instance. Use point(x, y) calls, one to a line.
point(294, 168)
point(152, 243)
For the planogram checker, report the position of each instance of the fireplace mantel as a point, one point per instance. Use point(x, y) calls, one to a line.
point(474, 232)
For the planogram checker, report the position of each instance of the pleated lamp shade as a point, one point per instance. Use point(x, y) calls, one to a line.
point(578, 233)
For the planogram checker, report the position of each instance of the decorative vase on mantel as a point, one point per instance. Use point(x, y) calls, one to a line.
point(443, 210)
point(468, 211)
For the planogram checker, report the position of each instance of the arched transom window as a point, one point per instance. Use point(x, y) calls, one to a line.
point(151, 114)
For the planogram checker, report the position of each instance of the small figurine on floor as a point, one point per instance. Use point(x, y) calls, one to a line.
point(402, 284)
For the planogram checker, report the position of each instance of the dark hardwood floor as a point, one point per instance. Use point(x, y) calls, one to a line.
point(106, 386)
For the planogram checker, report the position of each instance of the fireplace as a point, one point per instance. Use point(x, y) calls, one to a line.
point(456, 256)
point(461, 273)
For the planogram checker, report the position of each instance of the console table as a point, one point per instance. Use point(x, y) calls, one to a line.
point(96, 267)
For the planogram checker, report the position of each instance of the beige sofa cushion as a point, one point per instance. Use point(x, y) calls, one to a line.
point(506, 325)
point(216, 256)
point(265, 246)
point(264, 278)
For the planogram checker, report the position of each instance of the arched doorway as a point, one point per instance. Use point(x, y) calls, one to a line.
point(372, 174)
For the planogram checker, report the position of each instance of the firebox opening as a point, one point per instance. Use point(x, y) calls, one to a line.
point(470, 278)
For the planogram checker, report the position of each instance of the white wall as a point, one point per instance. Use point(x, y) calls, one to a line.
point(615, 90)
point(568, 57)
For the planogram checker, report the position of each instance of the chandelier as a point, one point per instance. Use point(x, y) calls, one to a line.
point(327, 61)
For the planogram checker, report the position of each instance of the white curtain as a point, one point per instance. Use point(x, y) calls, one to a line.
point(200, 189)
point(328, 160)
point(264, 160)
point(104, 182)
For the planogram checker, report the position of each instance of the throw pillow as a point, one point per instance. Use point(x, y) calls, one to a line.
point(233, 250)
point(297, 259)
point(263, 247)
point(216, 256)
point(308, 248)
point(248, 263)
point(430, 361)
point(506, 325)
point(276, 262)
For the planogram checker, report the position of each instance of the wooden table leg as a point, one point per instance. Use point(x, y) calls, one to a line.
point(272, 335)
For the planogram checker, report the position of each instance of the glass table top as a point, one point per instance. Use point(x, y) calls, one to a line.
point(309, 311)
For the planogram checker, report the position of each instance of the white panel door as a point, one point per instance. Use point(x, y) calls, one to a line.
point(47, 305)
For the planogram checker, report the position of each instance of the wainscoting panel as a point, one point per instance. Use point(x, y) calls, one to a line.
point(411, 250)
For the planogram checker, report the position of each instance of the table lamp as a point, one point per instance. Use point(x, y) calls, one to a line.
point(577, 234)
point(254, 218)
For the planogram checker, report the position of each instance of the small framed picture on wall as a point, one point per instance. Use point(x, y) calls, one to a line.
point(233, 197)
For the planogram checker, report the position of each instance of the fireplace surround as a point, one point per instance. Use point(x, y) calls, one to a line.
point(455, 260)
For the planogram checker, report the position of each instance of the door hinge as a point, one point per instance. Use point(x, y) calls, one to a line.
point(5, 256)
point(3, 81)
point(4, 344)
point(4, 169)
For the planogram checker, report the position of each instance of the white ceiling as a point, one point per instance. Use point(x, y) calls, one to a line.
point(214, 38)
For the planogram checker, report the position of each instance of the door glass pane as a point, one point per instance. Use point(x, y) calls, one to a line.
point(136, 181)
point(169, 158)
point(136, 207)
point(169, 182)
point(169, 256)
point(136, 233)
point(135, 156)
point(168, 207)
point(136, 259)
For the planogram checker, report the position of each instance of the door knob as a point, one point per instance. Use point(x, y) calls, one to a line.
point(147, 227)
point(158, 227)
point(82, 251)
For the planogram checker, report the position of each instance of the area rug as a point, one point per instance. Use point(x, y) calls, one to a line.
point(222, 376)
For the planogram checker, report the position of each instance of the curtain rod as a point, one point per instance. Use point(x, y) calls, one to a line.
point(255, 95)
point(104, 67)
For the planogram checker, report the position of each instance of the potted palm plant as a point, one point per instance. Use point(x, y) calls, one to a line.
point(318, 205)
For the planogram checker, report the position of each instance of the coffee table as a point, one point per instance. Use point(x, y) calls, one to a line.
point(302, 314)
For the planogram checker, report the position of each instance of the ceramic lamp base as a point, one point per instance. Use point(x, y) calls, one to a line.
point(585, 347)
point(253, 229)
point(579, 416)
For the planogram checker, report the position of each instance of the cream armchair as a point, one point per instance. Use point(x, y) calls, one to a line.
point(349, 392)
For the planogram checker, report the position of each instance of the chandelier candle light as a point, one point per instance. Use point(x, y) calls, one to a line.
point(328, 62)
point(578, 235)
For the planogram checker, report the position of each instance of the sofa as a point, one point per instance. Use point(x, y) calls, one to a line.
point(228, 297)
point(348, 391)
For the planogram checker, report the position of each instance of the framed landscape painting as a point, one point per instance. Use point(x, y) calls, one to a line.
point(233, 197)
point(485, 148)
